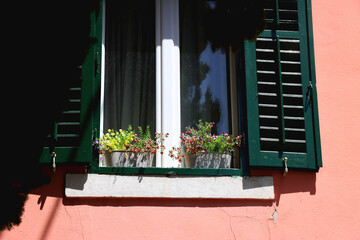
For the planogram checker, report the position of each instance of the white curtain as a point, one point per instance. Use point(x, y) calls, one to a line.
point(129, 64)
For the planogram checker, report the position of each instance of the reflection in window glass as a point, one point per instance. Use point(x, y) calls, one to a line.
point(204, 74)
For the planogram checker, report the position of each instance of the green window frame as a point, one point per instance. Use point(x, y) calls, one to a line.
point(272, 99)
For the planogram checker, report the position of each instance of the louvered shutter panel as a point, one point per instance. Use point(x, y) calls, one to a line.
point(281, 91)
point(74, 131)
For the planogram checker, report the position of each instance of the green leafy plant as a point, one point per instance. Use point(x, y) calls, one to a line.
point(200, 140)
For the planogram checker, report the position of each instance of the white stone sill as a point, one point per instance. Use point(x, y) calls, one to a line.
point(102, 185)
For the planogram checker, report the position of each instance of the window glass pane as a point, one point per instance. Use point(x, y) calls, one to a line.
point(129, 96)
point(204, 73)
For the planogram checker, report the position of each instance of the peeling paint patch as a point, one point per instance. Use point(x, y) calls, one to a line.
point(274, 216)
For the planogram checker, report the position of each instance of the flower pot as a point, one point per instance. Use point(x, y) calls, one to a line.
point(128, 159)
point(208, 160)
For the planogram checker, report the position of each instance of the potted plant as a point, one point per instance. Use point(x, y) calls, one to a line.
point(202, 149)
point(125, 148)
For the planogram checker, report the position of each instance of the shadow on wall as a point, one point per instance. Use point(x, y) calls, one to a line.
point(43, 51)
point(294, 182)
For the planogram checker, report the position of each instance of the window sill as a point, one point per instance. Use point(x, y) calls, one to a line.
point(151, 186)
point(167, 171)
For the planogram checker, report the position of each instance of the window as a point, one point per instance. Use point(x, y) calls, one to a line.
point(130, 85)
point(267, 90)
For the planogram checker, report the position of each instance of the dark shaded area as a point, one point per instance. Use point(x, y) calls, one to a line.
point(230, 22)
point(45, 42)
point(167, 202)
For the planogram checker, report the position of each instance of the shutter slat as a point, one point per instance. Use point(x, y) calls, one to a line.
point(68, 126)
point(290, 107)
point(69, 131)
point(286, 18)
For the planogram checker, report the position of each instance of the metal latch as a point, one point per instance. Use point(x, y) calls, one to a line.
point(285, 166)
point(53, 162)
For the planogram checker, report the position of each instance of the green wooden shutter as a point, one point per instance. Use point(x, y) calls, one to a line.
point(74, 131)
point(282, 116)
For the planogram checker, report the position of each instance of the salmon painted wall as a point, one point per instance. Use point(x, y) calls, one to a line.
point(309, 206)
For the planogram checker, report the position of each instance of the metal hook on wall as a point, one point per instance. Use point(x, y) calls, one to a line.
point(285, 171)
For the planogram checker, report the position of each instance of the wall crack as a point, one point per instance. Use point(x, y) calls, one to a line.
point(230, 220)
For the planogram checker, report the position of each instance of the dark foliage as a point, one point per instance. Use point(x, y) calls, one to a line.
point(232, 21)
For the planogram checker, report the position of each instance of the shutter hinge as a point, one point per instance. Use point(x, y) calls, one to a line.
point(243, 141)
point(309, 94)
point(97, 64)
point(95, 135)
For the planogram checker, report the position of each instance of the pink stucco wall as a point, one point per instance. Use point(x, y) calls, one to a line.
point(324, 205)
